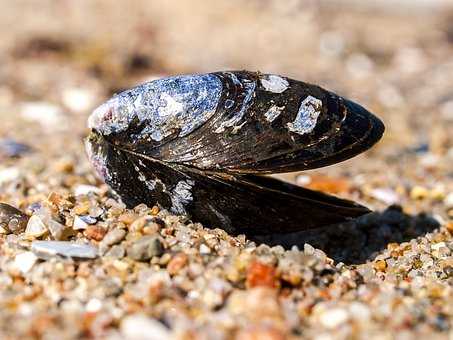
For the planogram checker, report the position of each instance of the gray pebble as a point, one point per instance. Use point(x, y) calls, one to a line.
point(145, 248)
point(46, 249)
point(114, 236)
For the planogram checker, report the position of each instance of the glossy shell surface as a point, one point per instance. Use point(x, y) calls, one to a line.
point(196, 144)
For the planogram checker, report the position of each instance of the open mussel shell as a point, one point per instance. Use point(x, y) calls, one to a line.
point(196, 144)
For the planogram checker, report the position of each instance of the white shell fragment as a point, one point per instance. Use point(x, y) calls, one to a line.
point(35, 227)
point(274, 83)
point(307, 116)
point(46, 249)
point(25, 261)
point(273, 112)
point(163, 106)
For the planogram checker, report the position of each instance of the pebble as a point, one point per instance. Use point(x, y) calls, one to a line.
point(12, 219)
point(95, 232)
point(419, 193)
point(448, 201)
point(46, 114)
point(9, 148)
point(114, 236)
point(79, 224)
point(78, 99)
point(178, 262)
point(260, 274)
point(25, 261)
point(35, 227)
point(46, 249)
point(9, 174)
point(145, 248)
point(83, 189)
point(141, 327)
point(332, 318)
point(385, 195)
point(204, 249)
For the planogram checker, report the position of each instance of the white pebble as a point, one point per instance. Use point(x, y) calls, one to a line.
point(78, 99)
point(84, 189)
point(141, 327)
point(25, 261)
point(35, 227)
point(93, 306)
point(385, 195)
point(46, 114)
point(46, 249)
point(204, 249)
point(333, 318)
point(448, 201)
point(8, 175)
point(79, 224)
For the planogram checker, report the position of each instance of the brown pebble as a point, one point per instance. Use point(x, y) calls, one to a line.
point(449, 226)
point(177, 263)
point(128, 218)
point(380, 265)
point(261, 275)
point(82, 208)
point(95, 232)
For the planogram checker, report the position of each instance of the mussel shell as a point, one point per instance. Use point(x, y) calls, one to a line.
point(195, 144)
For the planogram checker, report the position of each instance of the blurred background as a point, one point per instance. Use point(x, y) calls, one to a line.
point(60, 59)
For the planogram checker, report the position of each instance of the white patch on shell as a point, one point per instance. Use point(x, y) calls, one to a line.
point(163, 106)
point(273, 112)
point(307, 116)
point(274, 83)
point(181, 195)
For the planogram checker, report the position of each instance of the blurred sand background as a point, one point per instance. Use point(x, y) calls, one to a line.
point(60, 59)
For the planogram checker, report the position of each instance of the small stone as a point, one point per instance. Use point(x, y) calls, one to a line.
point(95, 232)
point(448, 201)
point(57, 230)
point(77, 99)
point(333, 318)
point(12, 219)
point(47, 114)
point(117, 251)
point(35, 227)
point(9, 174)
point(114, 236)
point(46, 249)
point(204, 249)
point(141, 327)
point(25, 261)
point(84, 189)
point(178, 262)
point(82, 208)
point(79, 224)
point(385, 195)
point(380, 265)
point(145, 248)
point(449, 227)
point(9, 148)
point(260, 274)
point(419, 193)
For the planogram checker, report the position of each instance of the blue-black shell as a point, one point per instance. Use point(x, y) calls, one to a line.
point(196, 143)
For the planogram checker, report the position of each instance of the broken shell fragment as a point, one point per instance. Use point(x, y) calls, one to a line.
point(196, 144)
